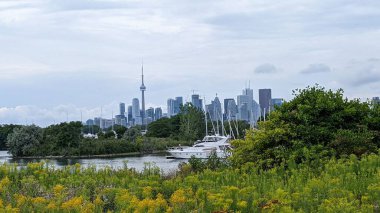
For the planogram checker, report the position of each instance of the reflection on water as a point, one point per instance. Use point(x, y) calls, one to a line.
point(137, 162)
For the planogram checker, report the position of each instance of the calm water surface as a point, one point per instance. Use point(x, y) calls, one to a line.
point(137, 162)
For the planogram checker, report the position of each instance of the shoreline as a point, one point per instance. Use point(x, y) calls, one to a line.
point(128, 154)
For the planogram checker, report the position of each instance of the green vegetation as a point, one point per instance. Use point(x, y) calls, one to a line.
point(345, 185)
point(317, 153)
point(5, 130)
point(317, 124)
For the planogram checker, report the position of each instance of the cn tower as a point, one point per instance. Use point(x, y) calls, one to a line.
point(142, 88)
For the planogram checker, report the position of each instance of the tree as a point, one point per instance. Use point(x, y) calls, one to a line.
point(5, 130)
point(317, 123)
point(63, 136)
point(25, 140)
point(192, 123)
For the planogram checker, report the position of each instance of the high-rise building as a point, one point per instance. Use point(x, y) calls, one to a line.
point(225, 104)
point(129, 113)
point(157, 113)
point(243, 112)
point(277, 102)
point(174, 106)
point(142, 88)
point(170, 106)
point(122, 109)
point(135, 108)
point(196, 101)
point(149, 115)
point(177, 104)
point(375, 100)
point(231, 110)
point(265, 99)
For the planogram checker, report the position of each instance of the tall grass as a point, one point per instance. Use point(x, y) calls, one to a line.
point(346, 185)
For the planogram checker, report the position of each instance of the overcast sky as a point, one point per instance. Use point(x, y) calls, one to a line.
point(68, 56)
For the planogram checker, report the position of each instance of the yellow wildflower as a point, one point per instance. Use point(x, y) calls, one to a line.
point(20, 199)
point(51, 206)
point(58, 189)
point(38, 200)
point(73, 203)
point(1, 203)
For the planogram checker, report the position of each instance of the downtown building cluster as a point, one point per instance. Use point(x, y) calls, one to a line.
point(244, 108)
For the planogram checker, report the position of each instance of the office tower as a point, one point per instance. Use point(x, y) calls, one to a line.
point(243, 112)
point(142, 88)
point(177, 105)
point(170, 106)
point(196, 101)
point(210, 110)
point(277, 102)
point(225, 104)
point(149, 115)
point(217, 109)
point(122, 109)
point(129, 113)
point(375, 100)
point(157, 113)
point(265, 98)
point(135, 108)
point(90, 122)
point(150, 112)
point(97, 121)
point(231, 110)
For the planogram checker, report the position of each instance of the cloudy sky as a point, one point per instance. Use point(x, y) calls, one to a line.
point(61, 57)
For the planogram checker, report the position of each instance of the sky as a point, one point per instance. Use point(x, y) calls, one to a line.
point(60, 59)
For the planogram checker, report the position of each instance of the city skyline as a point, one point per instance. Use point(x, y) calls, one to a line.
point(59, 58)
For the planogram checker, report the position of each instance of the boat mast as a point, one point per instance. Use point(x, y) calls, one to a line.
point(205, 115)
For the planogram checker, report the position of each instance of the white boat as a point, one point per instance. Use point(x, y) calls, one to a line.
point(220, 145)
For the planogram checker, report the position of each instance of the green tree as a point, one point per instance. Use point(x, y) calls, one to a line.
point(63, 137)
point(192, 124)
point(25, 140)
point(317, 123)
point(5, 130)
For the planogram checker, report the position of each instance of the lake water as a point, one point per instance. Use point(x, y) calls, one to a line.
point(137, 162)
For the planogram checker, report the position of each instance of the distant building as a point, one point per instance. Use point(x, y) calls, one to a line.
point(174, 106)
point(243, 112)
point(375, 100)
point(97, 121)
point(265, 99)
point(130, 114)
point(149, 115)
point(157, 113)
point(135, 108)
point(170, 107)
point(177, 105)
point(225, 104)
point(231, 110)
point(277, 102)
point(122, 109)
point(90, 122)
point(196, 101)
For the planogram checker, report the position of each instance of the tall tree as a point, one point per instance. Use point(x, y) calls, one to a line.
point(192, 123)
point(25, 140)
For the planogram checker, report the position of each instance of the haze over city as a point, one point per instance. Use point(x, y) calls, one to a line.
point(59, 58)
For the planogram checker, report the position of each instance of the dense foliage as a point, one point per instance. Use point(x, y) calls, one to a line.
point(5, 130)
point(316, 124)
point(66, 139)
point(348, 185)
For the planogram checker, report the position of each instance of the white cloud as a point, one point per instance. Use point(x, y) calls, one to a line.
point(88, 53)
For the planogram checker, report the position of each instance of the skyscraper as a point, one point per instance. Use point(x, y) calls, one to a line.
point(196, 101)
point(231, 110)
point(170, 106)
point(142, 88)
point(122, 109)
point(135, 108)
point(375, 100)
point(277, 102)
point(265, 99)
point(157, 113)
point(130, 114)
point(225, 104)
point(177, 105)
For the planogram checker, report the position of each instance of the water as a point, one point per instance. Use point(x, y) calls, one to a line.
point(137, 162)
